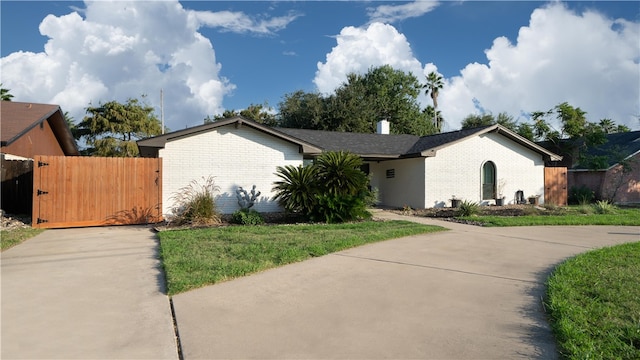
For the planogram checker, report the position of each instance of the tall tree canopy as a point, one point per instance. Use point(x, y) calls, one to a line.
point(576, 134)
point(359, 103)
point(261, 113)
point(112, 128)
point(504, 119)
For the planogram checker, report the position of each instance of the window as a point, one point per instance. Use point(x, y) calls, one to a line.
point(488, 181)
point(391, 173)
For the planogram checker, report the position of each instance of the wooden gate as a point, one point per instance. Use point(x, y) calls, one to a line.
point(92, 191)
point(555, 185)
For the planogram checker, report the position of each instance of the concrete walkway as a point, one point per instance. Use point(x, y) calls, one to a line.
point(90, 293)
point(468, 293)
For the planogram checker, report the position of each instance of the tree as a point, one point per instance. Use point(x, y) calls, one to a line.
point(359, 103)
point(261, 113)
point(302, 110)
point(433, 86)
point(504, 119)
point(112, 128)
point(5, 95)
point(576, 135)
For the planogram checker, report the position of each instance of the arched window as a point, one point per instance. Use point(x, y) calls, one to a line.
point(488, 181)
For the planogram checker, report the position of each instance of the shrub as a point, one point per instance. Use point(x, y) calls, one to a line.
point(581, 195)
point(195, 203)
point(297, 190)
point(468, 208)
point(333, 189)
point(340, 208)
point(247, 217)
point(604, 207)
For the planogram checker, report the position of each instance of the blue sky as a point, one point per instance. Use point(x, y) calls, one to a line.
point(209, 56)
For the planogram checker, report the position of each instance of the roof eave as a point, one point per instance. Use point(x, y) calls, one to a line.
point(549, 156)
point(239, 121)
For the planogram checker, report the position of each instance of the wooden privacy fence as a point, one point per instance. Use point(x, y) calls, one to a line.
point(17, 186)
point(555, 185)
point(92, 191)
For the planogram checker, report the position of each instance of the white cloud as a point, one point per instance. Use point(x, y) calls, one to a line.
point(359, 49)
point(393, 13)
point(242, 23)
point(117, 50)
point(585, 59)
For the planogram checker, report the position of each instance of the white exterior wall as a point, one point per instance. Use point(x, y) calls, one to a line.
point(406, 188)
point(235, 157)
point(457, 170)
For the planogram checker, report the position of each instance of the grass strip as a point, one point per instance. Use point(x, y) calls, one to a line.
point(593, 301)
point(13, 237)
point(622, 217)
point(198, 257)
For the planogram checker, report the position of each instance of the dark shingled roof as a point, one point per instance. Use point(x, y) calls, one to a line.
point(439, 140)
point(380, 147)
point(618, 147)
point(365, 145)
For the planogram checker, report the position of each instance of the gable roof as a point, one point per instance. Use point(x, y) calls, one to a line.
point(20, 117)
point(380, 147)
point(158, 142)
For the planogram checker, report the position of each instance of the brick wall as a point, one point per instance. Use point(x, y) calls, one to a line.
point(457, 170)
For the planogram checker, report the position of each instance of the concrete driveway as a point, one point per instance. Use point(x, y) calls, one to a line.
point(469, 293)
point(90, 293)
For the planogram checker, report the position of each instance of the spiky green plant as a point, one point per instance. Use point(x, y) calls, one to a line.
point(297, 190)
point(604, 207)
point(340, 173)
point(468, 208)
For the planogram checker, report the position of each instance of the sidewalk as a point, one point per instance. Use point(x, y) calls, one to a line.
point(88, 293)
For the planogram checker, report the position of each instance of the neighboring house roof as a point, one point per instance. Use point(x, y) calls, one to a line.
point(380, 147)
point(618, 147)
point(17, 118)
point(158, 142)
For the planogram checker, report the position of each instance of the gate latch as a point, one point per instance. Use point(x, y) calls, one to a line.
point(42, 192)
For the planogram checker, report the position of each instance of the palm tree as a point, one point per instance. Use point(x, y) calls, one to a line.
point(433, 86)
point(607, 125)
point(4, 94)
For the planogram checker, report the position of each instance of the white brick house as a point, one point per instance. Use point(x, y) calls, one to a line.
point(421, 172)
point(236, 151)
point(477, 165)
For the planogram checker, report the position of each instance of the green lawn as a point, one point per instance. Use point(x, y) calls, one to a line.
point(594, 304)
point(197, 257)
point(11, 238)
point(564, 216)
